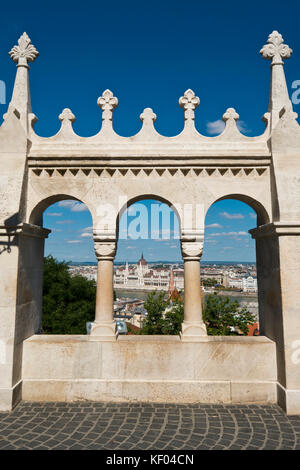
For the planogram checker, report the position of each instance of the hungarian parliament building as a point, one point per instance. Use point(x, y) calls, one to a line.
point(141, 276)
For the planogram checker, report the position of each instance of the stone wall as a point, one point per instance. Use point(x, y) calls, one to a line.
point(150, 368)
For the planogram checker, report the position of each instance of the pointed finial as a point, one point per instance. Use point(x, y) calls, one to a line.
point(230, 115)
point(189, 102)
point(67, 118)
point(24, 52)
point(107, 102)
point(275, 49)
point(66, 115)
point(148, 116)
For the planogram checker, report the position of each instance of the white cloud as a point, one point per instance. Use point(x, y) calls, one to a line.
point(66, 221)
point(73, 241)
point(74, 206)
point(79, 207)
point(226, 215)
point(66, 203)
point(86, 232)
point(213, 226)
point(215, 127)
point(242, 127)
point(228, 234)
point(54, 214)
point(211, 242)
point(253, 216)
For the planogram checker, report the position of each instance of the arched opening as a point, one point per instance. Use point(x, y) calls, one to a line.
point(258, 208)
point(67, 264)
point(148, 258)
point(229, 265)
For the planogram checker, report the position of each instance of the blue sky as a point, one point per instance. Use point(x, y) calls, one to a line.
point(148, 54)
point(226, 233)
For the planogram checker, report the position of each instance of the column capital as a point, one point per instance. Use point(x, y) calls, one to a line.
point(276, 229)
point(191, 251)
point(105, 250)
point(105, 244)
point(192, 245)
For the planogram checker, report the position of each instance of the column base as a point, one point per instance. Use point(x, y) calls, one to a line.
point(289, 400)
point(103, 331)
point(10, 397)
point(193, 331)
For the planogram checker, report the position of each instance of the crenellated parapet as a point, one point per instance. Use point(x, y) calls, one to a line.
point(108, 142)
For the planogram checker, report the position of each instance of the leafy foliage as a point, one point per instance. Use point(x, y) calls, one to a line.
point(209, 282)
point(68, 301)
point(164, 316)
point(225, 317)
point(174, 318)
point(155, 305)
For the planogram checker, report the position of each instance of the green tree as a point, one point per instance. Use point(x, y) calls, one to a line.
point(68, 301)
point(154, 322)
point(209, 282)
point(173, 318)
point(221, 315)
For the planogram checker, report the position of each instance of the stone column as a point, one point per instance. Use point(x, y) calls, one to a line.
point(193, 327)
point(104, 326)
point(278, 263)
point(21, 286)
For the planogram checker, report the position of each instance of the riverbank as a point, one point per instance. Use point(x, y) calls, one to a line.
point(142, 294)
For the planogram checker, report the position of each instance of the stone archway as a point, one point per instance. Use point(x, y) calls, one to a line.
point(190, 169)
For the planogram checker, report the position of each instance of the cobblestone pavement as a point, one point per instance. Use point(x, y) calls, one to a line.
point(139, 426)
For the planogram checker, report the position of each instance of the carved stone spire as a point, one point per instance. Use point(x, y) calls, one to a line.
point(148, 118)
point(275, 50)
point(107, 102)
point(23, 53)
point(66, 118)
point(230, 117)
point(189, 102)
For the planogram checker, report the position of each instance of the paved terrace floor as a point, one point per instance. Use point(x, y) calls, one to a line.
point(123, 426)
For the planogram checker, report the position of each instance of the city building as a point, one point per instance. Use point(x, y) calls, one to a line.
point(143, 276)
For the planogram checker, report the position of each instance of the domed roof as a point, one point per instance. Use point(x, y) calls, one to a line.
point(142, 261)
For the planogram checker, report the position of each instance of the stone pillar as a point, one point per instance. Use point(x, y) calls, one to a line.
point(193, 327)
point(278, 263)
point(104, 326)
point(21, 286)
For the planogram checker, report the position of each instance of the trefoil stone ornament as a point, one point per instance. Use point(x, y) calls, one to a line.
point(107, 102)
point(275, 49)
point(189, 102)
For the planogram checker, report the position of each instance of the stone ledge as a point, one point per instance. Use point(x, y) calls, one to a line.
point(150, 391)
point(150, 338)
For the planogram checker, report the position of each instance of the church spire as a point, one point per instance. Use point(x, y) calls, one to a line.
point(171, 283)
point(23, 53)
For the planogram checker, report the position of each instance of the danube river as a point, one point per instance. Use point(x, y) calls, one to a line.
point(140, 294)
